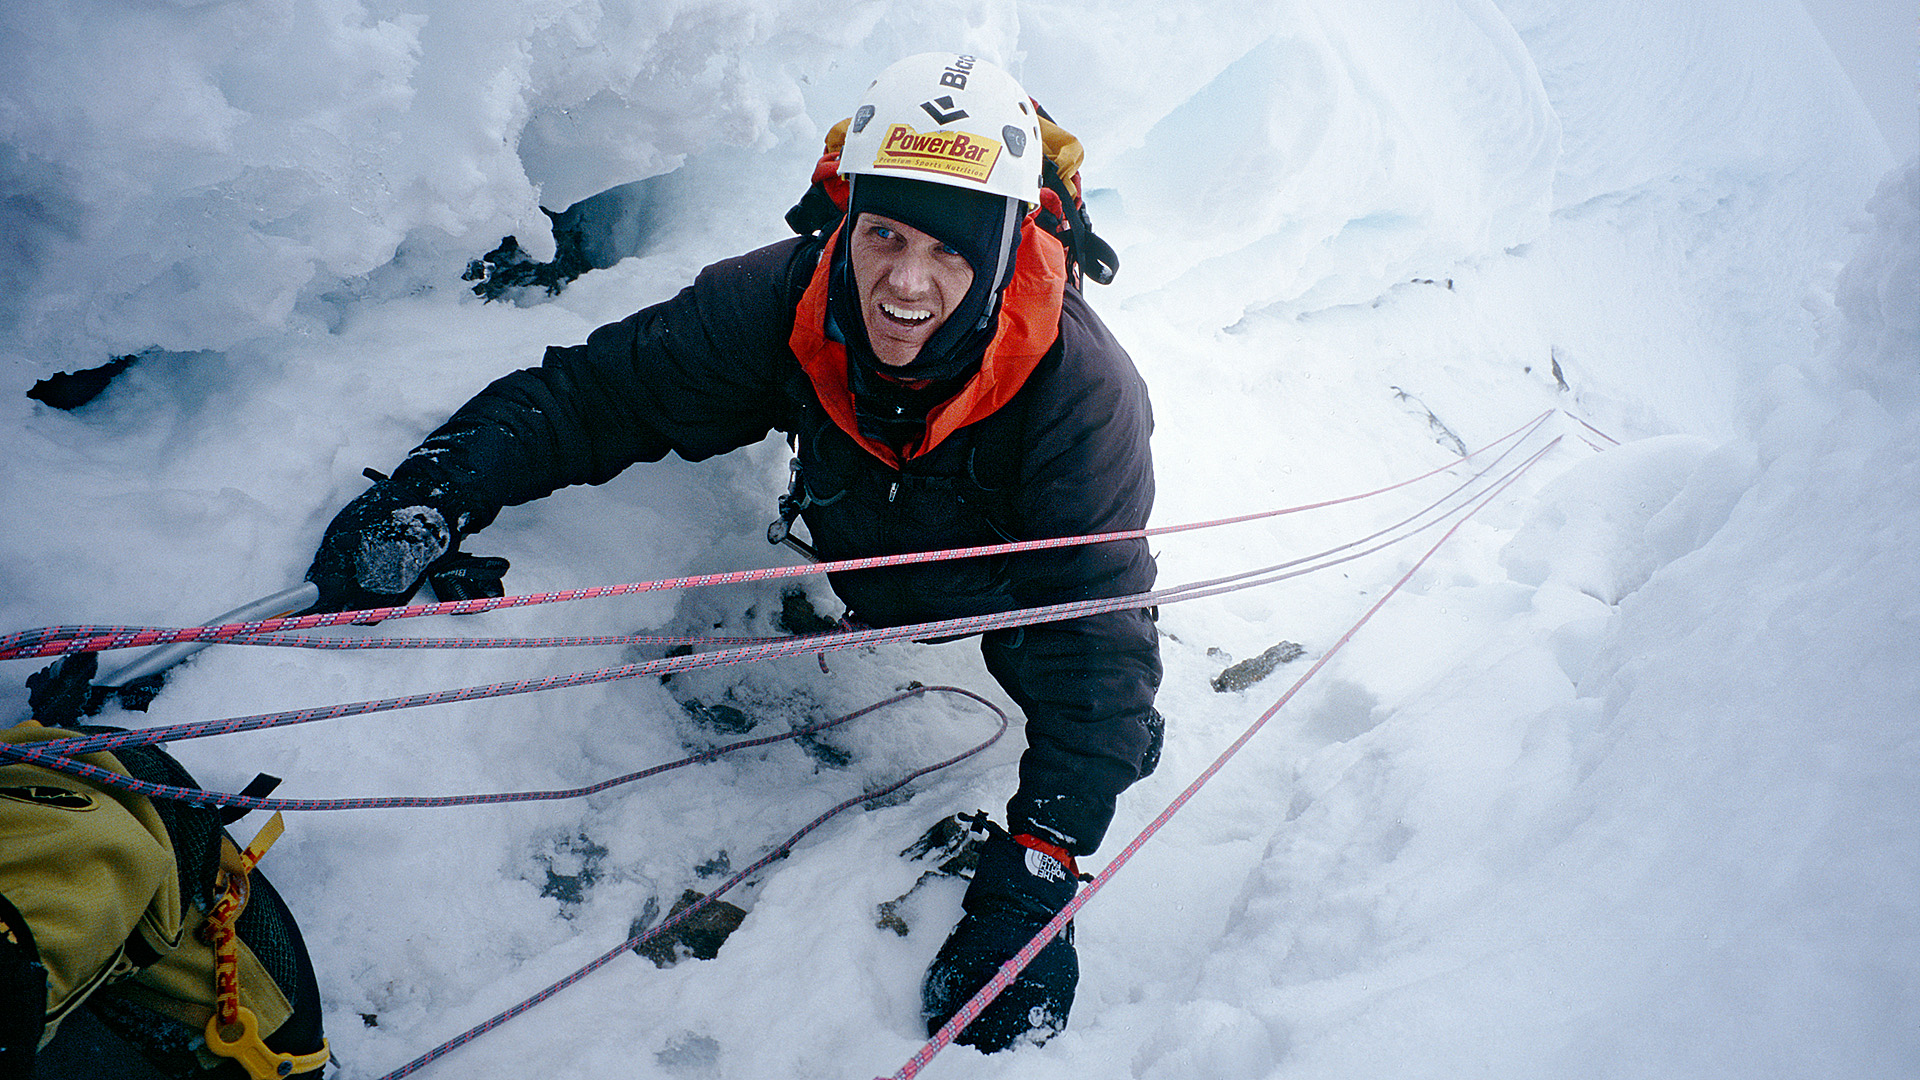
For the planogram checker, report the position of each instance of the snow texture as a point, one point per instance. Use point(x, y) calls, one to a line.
point(1625, 782)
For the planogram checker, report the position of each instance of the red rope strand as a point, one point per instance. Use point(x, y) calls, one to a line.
point(65, 640)
point(1013, 967)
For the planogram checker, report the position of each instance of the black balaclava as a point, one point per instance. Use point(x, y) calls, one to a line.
point(983, 228)
point(891, 403)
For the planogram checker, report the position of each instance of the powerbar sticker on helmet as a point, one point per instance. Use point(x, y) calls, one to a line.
point(952, 153)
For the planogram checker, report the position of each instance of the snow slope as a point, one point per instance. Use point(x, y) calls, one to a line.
point(1622, 784)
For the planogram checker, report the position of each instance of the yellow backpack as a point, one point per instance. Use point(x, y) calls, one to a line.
point(149, 914)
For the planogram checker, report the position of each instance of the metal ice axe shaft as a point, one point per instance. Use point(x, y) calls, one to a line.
point(156, 660)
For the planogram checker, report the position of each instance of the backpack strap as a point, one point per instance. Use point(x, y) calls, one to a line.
point(233, 1031)
point(819, 211)
point(1060, 178)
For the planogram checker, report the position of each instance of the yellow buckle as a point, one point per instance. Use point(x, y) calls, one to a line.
point(253, 1054)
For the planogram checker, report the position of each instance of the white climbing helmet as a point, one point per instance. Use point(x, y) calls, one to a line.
point(950, 119)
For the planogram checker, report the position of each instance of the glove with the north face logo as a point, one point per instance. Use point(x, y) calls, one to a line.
point(1016, 890)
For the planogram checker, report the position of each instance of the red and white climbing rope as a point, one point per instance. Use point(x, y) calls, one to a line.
point(53, 753)
point(1013, 967)
point(196, 796)
point(1457, 506)
point(66, 640)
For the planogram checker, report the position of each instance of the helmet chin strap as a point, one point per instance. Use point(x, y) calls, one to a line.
point(1009, 225)
point(986, 232)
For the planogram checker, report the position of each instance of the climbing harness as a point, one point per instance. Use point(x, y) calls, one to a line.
point(229, 1032)
point(780, 531)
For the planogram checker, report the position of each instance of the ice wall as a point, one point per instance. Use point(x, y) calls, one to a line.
point(193, 175)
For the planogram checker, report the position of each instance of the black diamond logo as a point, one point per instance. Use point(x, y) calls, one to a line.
point(942, 110)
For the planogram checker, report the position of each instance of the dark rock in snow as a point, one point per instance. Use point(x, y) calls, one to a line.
point(592, 234)
point(1247, 672)
point(1442, 434)
point(572, 867)
point(71, 389)
point(722, 718)
point(700, 936)
point(952, 842)
point(798, 616)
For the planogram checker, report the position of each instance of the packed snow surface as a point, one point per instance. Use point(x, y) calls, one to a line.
point(1625, 780)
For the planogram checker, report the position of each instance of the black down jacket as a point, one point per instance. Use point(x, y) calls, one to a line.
point(711, 370)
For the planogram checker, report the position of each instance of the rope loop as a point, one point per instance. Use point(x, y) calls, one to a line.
point(1451, 510)
point(691, 910)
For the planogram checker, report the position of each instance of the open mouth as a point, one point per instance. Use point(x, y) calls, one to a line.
point(909, 316)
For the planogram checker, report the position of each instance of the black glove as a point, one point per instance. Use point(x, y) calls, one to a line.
point(378, 550)
point(1016, 890)
point(460, 576)
point(63, 691)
